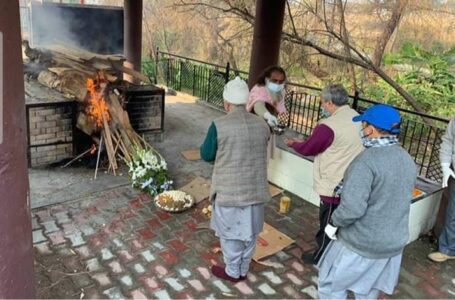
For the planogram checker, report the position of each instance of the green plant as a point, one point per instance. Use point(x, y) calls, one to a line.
point(426, 74)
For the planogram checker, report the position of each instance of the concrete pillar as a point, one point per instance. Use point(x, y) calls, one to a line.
point(268, 26)
point(132, 24)
point(16, 252)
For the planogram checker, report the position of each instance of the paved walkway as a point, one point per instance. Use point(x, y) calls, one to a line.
point(115, 243)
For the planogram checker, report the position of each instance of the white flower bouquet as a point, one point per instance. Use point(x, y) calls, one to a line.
point(148, 171)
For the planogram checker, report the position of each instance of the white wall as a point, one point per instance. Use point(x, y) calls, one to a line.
point(295, 174)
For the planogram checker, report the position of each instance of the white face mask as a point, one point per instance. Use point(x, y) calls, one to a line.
point(364, 137)
point(324, 113)
point(274, 87)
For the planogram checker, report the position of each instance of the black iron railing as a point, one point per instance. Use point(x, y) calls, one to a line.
point(206, 81)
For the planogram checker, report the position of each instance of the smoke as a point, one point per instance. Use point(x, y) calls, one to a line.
point(93, 28)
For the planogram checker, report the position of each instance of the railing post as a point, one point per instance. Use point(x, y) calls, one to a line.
point(355, 103)
point(168, 73)
point(289, 112)
point(181, 72)
point(194, 80)
point(156, 64)
point(208, 86)
point(228, 69)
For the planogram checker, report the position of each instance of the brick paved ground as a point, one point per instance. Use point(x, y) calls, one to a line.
point(116, 244)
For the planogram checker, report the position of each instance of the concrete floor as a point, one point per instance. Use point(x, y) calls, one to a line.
point(185, 126)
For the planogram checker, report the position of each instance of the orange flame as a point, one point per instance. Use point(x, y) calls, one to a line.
point(97, 107)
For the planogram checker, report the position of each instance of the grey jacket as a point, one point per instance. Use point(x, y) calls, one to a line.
point(375, 202)
point(447, 152)
point(240, 172)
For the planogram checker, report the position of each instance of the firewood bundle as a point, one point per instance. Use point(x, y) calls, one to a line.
point(94, 82)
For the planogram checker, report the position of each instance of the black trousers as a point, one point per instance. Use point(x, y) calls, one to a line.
point(325, 212)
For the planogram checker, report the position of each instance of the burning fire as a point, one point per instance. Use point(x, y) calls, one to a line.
point(97, 107)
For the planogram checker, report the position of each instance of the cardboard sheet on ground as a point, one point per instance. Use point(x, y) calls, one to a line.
point(270, 241)
point(274, 190)
point(199, 188)
point(193, 154)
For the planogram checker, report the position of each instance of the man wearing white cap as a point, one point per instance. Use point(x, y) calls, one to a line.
point(237, 144)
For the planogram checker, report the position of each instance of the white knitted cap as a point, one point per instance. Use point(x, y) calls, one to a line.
point(236, 91)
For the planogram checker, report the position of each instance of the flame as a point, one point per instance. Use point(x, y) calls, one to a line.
point(97, 106)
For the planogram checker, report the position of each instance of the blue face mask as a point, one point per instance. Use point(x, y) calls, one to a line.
point(274, 87)
point(324, 113)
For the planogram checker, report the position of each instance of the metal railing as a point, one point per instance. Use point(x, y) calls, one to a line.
point(206, 81)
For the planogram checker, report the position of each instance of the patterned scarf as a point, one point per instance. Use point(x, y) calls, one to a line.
point(382, 141)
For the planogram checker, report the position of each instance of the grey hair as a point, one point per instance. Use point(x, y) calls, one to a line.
point(335, 93)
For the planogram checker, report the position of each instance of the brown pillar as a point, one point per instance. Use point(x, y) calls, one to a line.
point(268, 26)
point(16, 252)
point(132, 24)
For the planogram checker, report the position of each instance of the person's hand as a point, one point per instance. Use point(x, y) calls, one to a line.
point(446, 173)
point(290, 141)
point(331, 231)
point(271, 119)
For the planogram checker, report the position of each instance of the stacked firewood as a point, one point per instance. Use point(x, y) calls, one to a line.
point(94, 82)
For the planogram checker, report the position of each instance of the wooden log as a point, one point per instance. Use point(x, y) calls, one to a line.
point(109, 146)
point(48, 79)
point(118, 66)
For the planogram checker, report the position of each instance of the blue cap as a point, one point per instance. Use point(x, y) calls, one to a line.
point(381, 116)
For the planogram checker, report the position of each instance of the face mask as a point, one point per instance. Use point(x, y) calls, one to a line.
point(364, 137)
point(274, 87)
point(324, 113)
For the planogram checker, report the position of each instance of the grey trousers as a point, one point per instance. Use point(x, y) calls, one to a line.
point(447, 237)
point(237, 256)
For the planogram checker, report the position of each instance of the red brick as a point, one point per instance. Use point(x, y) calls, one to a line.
point(169, 257)
point(154, 223)
point(150, 283)
point(102, 203)
point(57, 238)
point(145, 198)
point(135, 245)
point(191, 225)
point(92, 210)
point(146, 233)
point(162, 215)
point(185, 235)
point(199, 218)
point(432, 291)
point(208, 256)
point(125, 256)
point(136, 203)
point(117, 226)
point(178, 246)
point(184, 295)
point(80, 218)
point(126, 213)
point(137, 294)
point(44, 216)
point(98, 240)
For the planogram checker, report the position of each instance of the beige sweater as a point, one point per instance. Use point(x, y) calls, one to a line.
point(329, 166)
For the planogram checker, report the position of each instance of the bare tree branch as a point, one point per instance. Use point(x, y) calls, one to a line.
point(390, 27)
point(360, 59)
